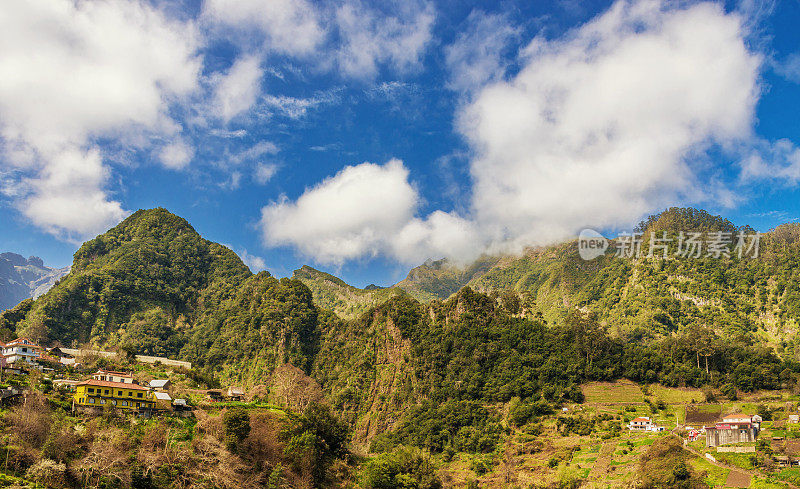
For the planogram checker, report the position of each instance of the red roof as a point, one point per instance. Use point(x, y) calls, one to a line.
point(640, 420)
point(120, 385)
point(22, 341)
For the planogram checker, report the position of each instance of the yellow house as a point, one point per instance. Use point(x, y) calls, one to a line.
point(98, 393)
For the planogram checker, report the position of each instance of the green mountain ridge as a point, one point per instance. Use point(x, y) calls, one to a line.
point(432, 373)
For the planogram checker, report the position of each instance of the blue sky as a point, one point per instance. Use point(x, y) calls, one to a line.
point(363, 138)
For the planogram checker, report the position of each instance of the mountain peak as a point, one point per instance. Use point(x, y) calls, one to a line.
point(676, 219)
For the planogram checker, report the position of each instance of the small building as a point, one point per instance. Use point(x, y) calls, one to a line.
point(162, 385)
point(640, 424)
point(21, 350)
point(163, 400)
point(734, 428)
point(235, 394)
point(113, 376)
point(214, 394)
point(124, 395)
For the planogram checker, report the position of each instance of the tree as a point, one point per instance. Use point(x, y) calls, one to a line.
point(237, 426)
point(314, 439)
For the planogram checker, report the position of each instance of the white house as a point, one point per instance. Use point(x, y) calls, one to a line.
point(21, 349)
point(640, 424)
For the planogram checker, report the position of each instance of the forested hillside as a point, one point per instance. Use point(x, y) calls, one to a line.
point(448, 375)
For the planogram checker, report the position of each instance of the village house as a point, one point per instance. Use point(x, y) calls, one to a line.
point(235, 394)
point(125, 395)
point(640, 424)
point(734, 428)
point(21, 350)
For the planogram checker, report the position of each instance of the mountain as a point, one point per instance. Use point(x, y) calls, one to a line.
point(444, 375)
point(438, 279)
point(153, 285)
point(345, 300)
point(646, 296)
point(22, 278)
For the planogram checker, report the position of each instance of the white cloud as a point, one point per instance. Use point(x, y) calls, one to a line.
point(789, 68)
point(264, 172)
point(74, 71)
point(176, 156)
point(354, 37)
point(253, 262)
point(289, 26)
point(595, 128)
point(66, 199)
point(238, 89)
point(367, 210)
point(778, 161)
point(370, 38)
point(351, 214)
point(476, 56)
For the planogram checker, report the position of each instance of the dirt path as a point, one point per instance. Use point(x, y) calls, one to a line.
point(737, 479)
point(600, 468)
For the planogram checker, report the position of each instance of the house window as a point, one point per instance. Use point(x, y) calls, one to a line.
point(130, 394)
point(106, 391)
point(119, 393)
point(91, 390)
point(91, 401)
point(24, 350)
point(139, 395)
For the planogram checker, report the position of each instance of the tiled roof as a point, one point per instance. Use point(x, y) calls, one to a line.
point(640, 420)
point(21, 341)
point(120, 385)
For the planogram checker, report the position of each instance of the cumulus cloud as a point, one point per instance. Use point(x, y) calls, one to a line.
point(288, 26)
point(348, 215)
point(354, 37)
point(595, 128)
point(176, 156)
point(476, 56)
point(72, 72)
point(370, 38)
point(366, 210)
point(237, 90)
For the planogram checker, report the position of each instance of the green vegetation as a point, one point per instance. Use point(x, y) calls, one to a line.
point(475, 378)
